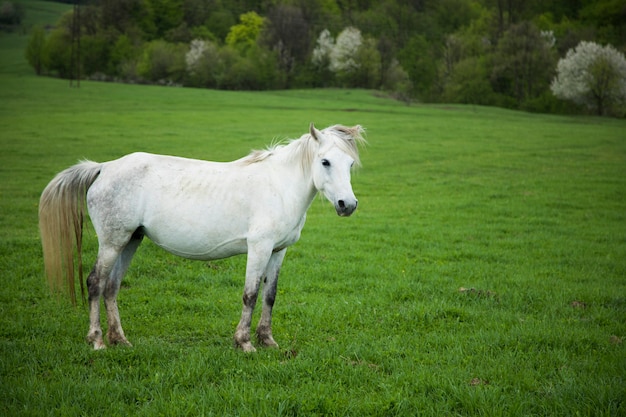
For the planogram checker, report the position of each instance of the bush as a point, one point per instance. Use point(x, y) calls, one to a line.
point(257, 70)
point(368, 74)
point(397, 82)
point(417, 59)
point(469, 84)
point(95, 54)
point(202, 63)
point(58, 53)
point(122, 54)
point(162, 62)
point(230, 68)
point(548, 103)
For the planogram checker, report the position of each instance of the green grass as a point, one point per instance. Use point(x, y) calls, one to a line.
point(527, 212)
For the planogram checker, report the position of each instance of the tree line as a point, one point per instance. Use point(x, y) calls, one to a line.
point(490, 52)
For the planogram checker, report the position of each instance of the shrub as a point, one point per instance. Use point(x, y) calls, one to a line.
point(469, 84)
point(95, 53)
point(122, 53)
point(202, 63)
point(162, 62)
point(256, 70)
point(57, 52)
point(397, 81)
point(368, 73)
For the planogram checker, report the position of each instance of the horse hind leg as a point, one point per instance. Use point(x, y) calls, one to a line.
point(115, 333)
point(96, 283)
point(105, 279)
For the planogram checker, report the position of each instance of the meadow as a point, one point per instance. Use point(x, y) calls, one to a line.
point(484, 273)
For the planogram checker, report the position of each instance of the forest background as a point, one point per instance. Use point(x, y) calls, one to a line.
point(486, 52)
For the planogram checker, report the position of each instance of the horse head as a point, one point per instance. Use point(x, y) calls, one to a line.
point(336, 155)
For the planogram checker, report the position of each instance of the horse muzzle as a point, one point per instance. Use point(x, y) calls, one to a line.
point(346, 207)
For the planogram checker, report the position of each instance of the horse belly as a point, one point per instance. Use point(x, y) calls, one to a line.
point(194, 245)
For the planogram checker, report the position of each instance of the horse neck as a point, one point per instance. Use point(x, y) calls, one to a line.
point(298, 177)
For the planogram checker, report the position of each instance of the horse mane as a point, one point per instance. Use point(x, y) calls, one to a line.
point(304, 148)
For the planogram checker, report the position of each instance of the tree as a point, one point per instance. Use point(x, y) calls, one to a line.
point(396, 80)
point(468, 83)
point(123, 16)
point(244, 35)
point(220, 22)
point(287, 33)
point(320, 58)
point(321, 53)
point(57, 52)
point(592, 76)
point(523, 62)
point(417, 58)
point(35, 49)
point(343, 54)
point(355, 61)
point(165, 15)
point(368, 74)
point(163, 62)
point(202, 61)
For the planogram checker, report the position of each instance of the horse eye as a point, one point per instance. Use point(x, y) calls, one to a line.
point(326, 162)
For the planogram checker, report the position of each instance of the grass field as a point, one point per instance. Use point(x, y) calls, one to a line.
point(483, 274)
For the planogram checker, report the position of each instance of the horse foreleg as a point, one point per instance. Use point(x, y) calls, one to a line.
point(264, 328)
point(242, 334)
point(255, 267)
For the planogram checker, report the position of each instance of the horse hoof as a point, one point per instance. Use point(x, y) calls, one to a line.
point(120, 342)
point(99, 345)
point(247, 347)
point(269, 343)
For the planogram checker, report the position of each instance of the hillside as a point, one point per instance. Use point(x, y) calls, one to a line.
point(486, 52)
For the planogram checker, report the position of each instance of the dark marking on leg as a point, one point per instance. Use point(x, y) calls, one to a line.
point(93, 285)
point(249, 300)
point(270, 294)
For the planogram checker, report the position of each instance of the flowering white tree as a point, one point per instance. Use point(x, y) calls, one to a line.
point(202, 63)
point(194, 55)
point(340, 56)
point(344, 53)
point(325, 44)
point(593, 76)
point(355, 61)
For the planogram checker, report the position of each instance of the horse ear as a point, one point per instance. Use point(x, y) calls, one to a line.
point(316, 134)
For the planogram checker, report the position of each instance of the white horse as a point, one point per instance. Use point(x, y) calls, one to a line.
point(195, 209)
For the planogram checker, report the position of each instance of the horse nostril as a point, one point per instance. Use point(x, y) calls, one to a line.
point(341, 204)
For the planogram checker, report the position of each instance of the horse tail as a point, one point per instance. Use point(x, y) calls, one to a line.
point(61, 213)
